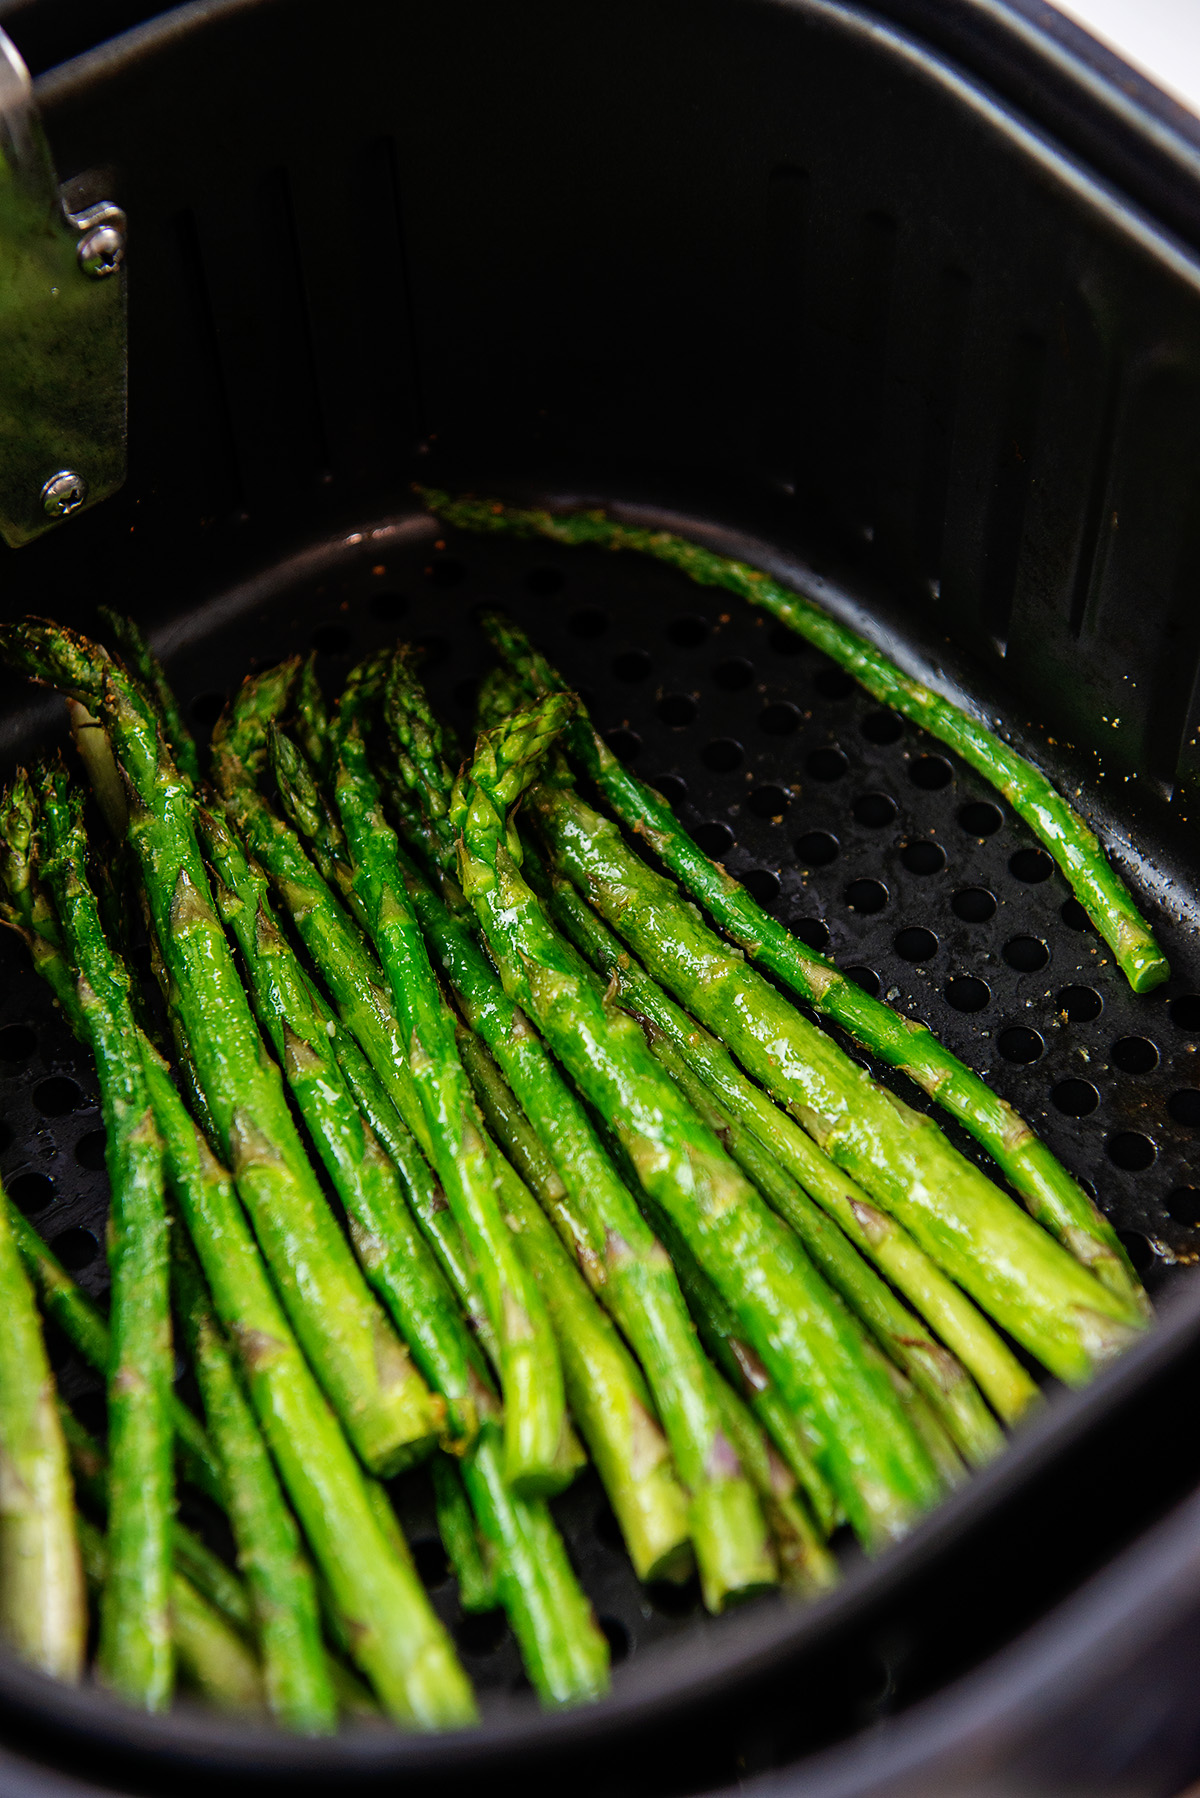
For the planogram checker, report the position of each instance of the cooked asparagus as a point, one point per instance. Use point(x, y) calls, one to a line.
point(136, 1657)
point(43, 1612)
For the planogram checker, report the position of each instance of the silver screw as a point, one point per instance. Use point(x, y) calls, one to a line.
point(64, 492)
point(102, 251)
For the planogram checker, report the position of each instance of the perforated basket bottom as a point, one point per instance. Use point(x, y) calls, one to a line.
point(855, 829)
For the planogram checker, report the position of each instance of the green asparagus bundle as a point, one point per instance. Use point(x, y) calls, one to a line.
point(1076, 849)
point(1054, 1198)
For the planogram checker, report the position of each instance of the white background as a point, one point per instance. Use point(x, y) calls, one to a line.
point(1160, 37)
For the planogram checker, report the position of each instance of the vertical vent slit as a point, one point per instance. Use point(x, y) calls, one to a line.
point(782, 382)
point(280, 181)
point(199, 301)
point(1093, 518)
point(1010, 489)
point(386, 156)
point(953, 305)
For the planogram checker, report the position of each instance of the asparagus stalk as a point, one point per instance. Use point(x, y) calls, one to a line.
point(530, 1368)
point(605, 1389)
point(747, 1375)
point(301, 1029)
point(866, 1449)
point(676, 1038)
point(1050, 1193)
point(1012, 1267)
point(286, 1617)
point(146, 668)
point(805, 1564)
point(135, 1656)
point(1032, 796)
point(43, 1612)
point(312, 716)
point(212, 1656)
point(358, 1358)
point(476, 1576)
point(395, 1638)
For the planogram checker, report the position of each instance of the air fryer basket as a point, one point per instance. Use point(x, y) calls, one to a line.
point(780, 277)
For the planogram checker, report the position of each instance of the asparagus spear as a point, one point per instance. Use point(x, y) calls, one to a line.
point(212, 1656)
point(394, 1636)
point(312, 716)
point(806, 1565)
point(1076, 849)
point(865, 1447)
point(358, 1357)
point(605, 1389)
point(43, 1613)
point(146, 668)
point(672, 1033)
point(1053, 1197)
point(136, 1656)
point(748, 1376)
point(287, 1621)
point(1011, 1266)
point(467, 1555)
point(530, 1369)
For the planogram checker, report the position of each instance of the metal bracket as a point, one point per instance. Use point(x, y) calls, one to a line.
point(63, 335)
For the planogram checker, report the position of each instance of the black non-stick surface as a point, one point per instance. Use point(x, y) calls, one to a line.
point(852, 826)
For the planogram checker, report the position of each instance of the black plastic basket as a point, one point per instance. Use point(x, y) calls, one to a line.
point(844, 300)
